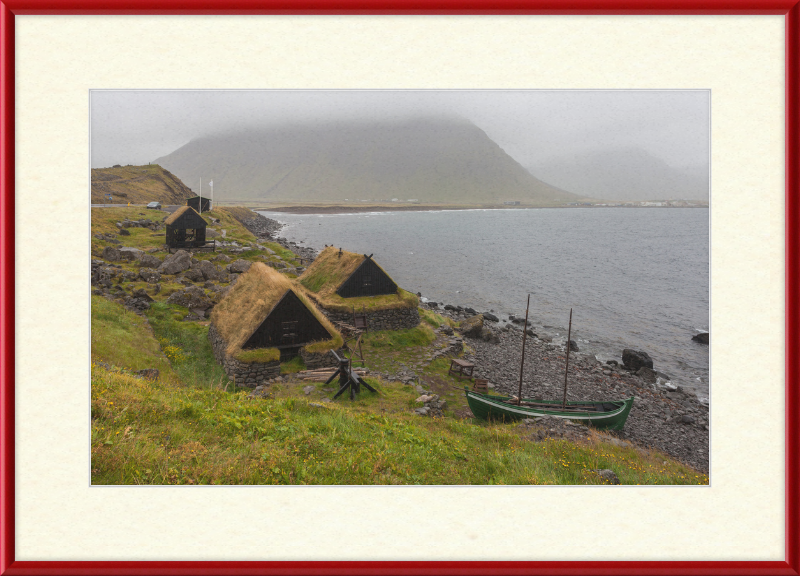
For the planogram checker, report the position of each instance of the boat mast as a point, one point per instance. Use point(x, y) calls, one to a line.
point(522, 362)
point(566, 370)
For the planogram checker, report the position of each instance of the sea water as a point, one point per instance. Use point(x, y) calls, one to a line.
point(634, 277)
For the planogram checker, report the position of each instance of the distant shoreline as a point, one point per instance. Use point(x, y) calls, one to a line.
point(339, 209)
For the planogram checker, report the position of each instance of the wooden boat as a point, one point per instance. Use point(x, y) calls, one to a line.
point(606, 414)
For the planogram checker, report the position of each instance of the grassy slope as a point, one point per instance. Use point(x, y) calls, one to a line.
point(138, 185)
point(193, 427)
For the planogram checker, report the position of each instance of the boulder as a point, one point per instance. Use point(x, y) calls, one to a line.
point(130, 254)
point(222, 258)
point(239, 266)
point(176, 263)
point(488, 336)
point(128, 276)
point(191, 297)
point(149, 275)
point(702, 338)
point(472, 326)
point(212, 272)
point(491, 317)
point(647, 374)
point(635, 359)
point(124, 232)
point(194, 274)
point(573, 346)
point(149, 261)
point(110, 253)
point(446, 329)
point(607, 476)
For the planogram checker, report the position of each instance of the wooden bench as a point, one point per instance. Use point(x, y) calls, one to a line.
point(461, 368)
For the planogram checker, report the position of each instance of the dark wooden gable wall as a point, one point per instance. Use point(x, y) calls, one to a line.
point(367, 280)
point(289, 324)
point(198, 202)
point(187, 231)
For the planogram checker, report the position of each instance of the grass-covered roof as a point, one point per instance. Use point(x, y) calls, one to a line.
point(330, 269)
point(188, 211)
point(252, 299)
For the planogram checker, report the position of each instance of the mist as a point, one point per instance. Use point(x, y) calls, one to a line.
point(546, 131)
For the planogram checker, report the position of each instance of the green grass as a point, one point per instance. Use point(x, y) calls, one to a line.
point(422, 335)
point(186, 345)
point(123, 339)
point(261, 355)
point(293, 366)
point(151, 433)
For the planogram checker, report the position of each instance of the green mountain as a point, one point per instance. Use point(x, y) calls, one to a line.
point(138, 185)
point(429, 160)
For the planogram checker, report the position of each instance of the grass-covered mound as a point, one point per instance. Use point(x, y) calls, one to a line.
point(330, 270)
point(152, 433)
point(250, 301)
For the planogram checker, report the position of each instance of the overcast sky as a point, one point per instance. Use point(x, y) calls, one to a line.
point(138, 126)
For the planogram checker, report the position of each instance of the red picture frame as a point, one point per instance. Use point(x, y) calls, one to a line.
point(790, 9)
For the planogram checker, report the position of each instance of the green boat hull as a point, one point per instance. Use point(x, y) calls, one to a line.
point(607, 415)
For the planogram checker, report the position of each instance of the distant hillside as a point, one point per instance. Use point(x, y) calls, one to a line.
point(624, 174)
point(138, 185)
point(430, 160)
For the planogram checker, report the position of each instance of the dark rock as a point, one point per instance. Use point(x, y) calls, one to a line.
point(240, 266)
point(176, 263)
point(446, 329)
point(212, 272)
point(702, 338)
point(130, 254)
point(607, 475)
point(190, 297)
point(124, 232)
point(470, 311)
point(612, 362)
point(433, 304)
point(573, 346)
point(149, 261)
point(149, 275)
point(449, 307)
point(635, 359)
point(110, 253)
point(194, 275)
point(141, 294)
point(491, 317)
point(471, 327)
point(646, 374)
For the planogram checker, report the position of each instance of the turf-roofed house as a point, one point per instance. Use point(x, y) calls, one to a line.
point(199, 204)
point(267, 319)
point(342, 283)
point(185, 229)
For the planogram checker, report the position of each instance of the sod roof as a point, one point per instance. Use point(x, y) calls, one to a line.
point(252, 299)
point(188, 210)
point(329, 271)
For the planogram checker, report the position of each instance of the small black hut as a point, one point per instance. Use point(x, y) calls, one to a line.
point(185, 229)
point(199, 203)
point(368, 279)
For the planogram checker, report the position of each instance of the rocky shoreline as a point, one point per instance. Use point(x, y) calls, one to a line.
point(663, 416)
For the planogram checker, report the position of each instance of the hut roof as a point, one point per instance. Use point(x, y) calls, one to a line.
point(328, 272)
point(252, 299)
point(186, 211)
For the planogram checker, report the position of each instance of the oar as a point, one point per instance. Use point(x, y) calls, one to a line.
point(566, 370)
point(522, 363)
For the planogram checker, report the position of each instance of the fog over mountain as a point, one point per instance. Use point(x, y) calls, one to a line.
point(430, 159)
point(623, 174)
point(608, 143)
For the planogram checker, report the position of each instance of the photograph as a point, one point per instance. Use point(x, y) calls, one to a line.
point(400, 287)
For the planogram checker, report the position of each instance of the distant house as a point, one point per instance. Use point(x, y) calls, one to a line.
point(185, 229)
point(264, 320)
point(199, 203)
point(343, 282)
point(511, 203)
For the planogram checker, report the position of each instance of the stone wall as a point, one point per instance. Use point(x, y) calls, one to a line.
point(314, 360)
point(393, 319)
point(248, 374)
